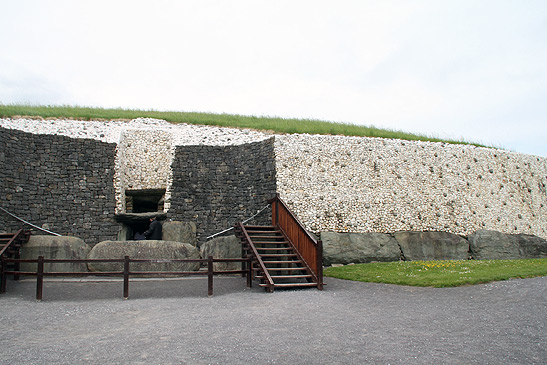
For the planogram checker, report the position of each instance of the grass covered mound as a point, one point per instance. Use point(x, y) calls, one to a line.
point(277, 125)
point(442, 273)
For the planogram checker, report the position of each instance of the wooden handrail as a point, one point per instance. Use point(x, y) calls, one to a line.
point(291, 214)
point(307, 247)
point(258, 258)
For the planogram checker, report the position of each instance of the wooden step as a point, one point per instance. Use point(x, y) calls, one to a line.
point(279, 255)
point(265, 232)
point(259, 227)
point(274, 248)
point(290, 285)
point(286, 276)
point(281, 268)
point(253, 238)
point(284, 262)
point(270, 242)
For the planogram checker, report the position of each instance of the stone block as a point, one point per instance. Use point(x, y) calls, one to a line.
point(144, 250)
point(180, 232)
point(345, 248)
point(432, 246)
point(55, 247)
point(492, 245)
point(228, 247)
point(531, 247)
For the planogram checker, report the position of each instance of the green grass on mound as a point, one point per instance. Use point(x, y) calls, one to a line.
point(442, 273)
point(278, 125)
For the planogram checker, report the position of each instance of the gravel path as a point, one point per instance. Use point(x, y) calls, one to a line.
point(174, 322)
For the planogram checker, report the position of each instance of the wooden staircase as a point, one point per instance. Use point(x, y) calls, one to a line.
point(10, 245)
point(279, 261)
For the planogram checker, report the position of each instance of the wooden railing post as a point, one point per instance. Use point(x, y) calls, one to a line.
point(17, 265)
point(40, 278)
point(126, 277)
point(319, 255)
point(249, 271)
point(210, 275)
point(3, 275)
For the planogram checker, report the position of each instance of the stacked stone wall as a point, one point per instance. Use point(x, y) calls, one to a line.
point(354, 184)
point(216, 186)
point(59, 183)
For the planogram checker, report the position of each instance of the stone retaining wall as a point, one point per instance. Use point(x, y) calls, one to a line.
point(332, 183)
point(59, 183)
point(345, 248)
point(216, 186)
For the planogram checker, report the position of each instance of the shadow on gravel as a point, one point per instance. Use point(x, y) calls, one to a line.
point(88, 290)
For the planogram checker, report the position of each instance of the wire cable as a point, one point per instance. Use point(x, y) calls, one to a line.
point(30, 224)
point(245, 221)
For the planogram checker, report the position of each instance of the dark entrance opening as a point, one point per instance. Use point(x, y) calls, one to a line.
point(136, 230)
point(134, 224)
point(140, 206)
point(142, 201)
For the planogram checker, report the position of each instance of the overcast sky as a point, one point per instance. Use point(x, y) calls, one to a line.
point(453, 69)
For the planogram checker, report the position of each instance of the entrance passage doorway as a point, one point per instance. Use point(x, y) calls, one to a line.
point(140, 206)
point(142, 201)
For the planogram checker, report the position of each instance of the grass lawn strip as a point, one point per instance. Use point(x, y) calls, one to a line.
point(275, 124)
point(441, 273)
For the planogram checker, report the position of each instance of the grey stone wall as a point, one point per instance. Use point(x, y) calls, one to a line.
point(59, 183)
point(216, 186)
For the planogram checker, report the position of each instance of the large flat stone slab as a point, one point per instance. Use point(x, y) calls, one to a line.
point(493, 245)
point(55, 247)
point(432, 246)
point(228, 247)
point(180, 232)
point(345, 248)
point(531, 246)
point(144, 250)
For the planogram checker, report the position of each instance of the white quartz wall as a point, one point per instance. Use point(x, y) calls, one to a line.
point(143, 161)
point(355, 184)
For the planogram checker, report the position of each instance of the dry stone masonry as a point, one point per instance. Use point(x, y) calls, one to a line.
point(73, 177)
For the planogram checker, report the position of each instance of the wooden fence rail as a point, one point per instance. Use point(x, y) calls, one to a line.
point(126, 273)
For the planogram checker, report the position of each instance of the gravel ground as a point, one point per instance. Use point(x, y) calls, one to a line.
point(174, 322)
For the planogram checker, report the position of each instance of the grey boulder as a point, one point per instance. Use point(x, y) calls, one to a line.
point(493, 245)
point(531, 246)
point(228, 247)
point(150, 249)
point(432, 246)
point(55, 247)
point(345, 248)
point(180, 232)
